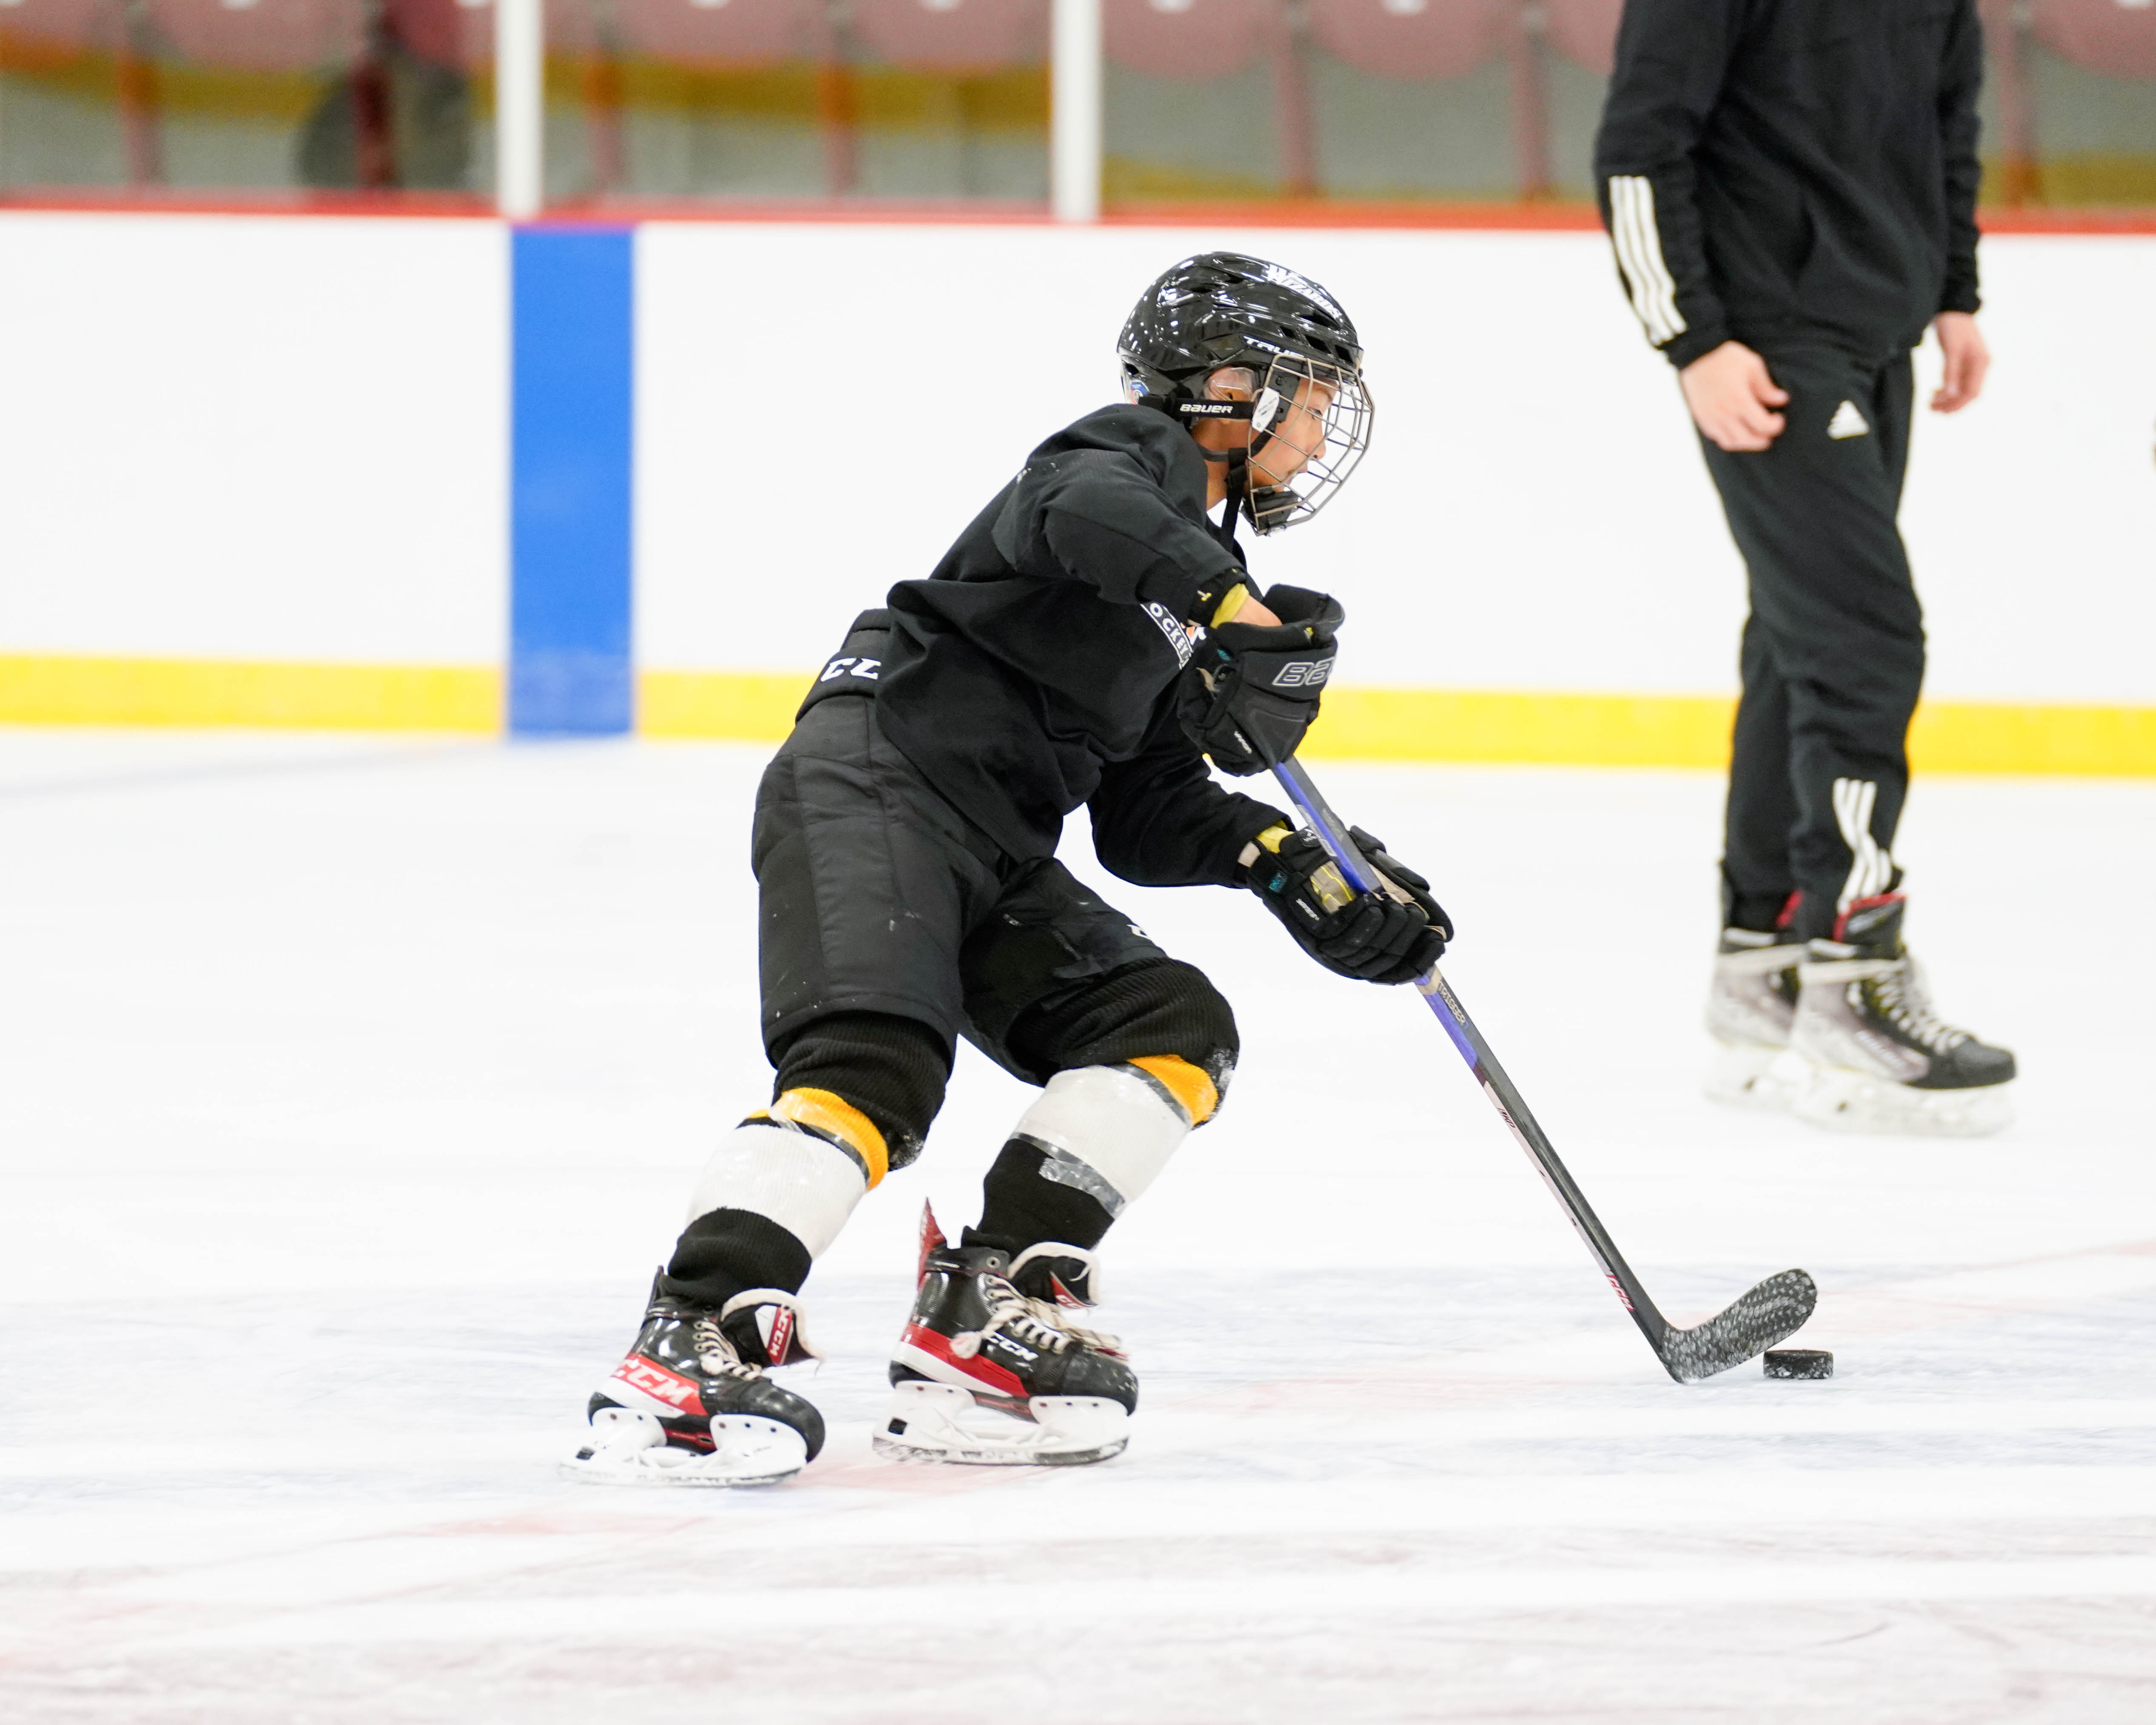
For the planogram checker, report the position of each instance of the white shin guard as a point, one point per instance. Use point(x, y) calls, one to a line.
point(1107, 1131)
point(803, 1183)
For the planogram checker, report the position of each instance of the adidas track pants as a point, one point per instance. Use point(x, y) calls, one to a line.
point(1833, 651)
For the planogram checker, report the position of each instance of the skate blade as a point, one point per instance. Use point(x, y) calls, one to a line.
point(941, 1422)
point(1837, 1099)
point(625, 1448)
point(1750, 1075)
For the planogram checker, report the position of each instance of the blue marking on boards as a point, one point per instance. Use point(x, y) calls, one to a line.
point(572, 347)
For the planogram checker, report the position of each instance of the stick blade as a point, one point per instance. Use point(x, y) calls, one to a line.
point(1777, 1308)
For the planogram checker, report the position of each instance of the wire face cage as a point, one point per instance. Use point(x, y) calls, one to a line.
point(1309, 428)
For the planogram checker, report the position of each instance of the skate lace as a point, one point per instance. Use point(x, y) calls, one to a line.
point(716, 1354)
point(1036, 1323)
point(1899, 992)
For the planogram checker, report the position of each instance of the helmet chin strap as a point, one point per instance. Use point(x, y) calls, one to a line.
point(1190, 411)
point(1238, 487)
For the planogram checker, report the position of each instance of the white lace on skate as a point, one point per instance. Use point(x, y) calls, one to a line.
point(715, 1353)
point(929, 1421)
point(1899, 992)
point(1040, 1324)
point(1846, 1074)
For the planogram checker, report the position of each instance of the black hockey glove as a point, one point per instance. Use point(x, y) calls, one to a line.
point(1252, 690)
point(1356, 934)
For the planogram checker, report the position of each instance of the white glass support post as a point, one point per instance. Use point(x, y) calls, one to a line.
point(519, 108)
point(1073, 125)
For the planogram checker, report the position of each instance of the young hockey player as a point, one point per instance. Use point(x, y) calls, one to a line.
point(1791, 190)
point(1084, 638)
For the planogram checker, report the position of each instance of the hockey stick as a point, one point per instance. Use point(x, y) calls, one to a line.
point(1778, 1307)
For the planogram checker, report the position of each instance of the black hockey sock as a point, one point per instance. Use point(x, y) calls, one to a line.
point(1019, 1208)
point(726, 1252)
point(894, 1069)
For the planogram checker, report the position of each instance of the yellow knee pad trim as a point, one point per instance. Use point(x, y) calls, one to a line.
point(1192, 1091)
point(834, 1117)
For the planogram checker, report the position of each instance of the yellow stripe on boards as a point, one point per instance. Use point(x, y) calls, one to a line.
point(1501, 725)
point(1693, 730)
point(67, 689)
point(1969, 736)
point(748, 706)
point(1465, 725)
point(1491, 725)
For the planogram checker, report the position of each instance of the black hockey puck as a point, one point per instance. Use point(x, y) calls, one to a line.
point(1800, 1362)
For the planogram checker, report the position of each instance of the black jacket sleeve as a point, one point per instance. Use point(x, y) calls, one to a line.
point(1961, 81)
point(1672, 56)
point(1107, 515)
point(1161, 819)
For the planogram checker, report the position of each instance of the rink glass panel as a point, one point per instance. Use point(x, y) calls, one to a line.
point(275, 98)
point(1405, 101)
point(797, 101)
point(809, 102)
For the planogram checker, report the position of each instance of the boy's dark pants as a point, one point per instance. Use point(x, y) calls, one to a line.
point(1833, 651)
point(886, 914)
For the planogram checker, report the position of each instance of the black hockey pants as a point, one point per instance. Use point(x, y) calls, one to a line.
point(1833, 649)
point(881, 902)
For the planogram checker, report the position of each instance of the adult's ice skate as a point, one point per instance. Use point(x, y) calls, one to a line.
point(991, 1369)
point(1750, 1006)
point(691, 1405)
point(1876, 1057)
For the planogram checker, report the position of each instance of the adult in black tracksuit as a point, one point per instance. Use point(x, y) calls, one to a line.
point(1791, 187)
point(910, 895)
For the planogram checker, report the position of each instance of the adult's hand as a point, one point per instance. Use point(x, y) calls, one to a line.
point(1968, 359)
point(1732, 399)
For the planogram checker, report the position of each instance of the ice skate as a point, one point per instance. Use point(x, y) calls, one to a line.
point(1876, 1059)
point(991, 1370)
point(691, 1405)
point(1749, 1006)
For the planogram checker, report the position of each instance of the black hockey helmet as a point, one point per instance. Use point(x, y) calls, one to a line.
point(1221, 312)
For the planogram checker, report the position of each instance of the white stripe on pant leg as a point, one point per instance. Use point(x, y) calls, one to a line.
point(808, 1187)
point(1870, 868)
point(1107, 1123)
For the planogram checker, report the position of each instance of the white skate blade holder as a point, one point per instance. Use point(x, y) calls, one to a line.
point(941, 1422)
point(1752, 1075)
point(1842, 1100)
point(627, 1448)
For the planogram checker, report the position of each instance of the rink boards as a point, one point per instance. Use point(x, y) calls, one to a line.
point(301, 471)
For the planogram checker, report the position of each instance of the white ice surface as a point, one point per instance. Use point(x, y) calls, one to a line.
point(353, 1088)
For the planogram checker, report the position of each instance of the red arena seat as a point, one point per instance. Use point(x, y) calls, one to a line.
point(263, 36)
point(735, 32)
point(2115, 37)
point(953, 35)
point(1410, 38)
point(1187, 38)
point(80, 25)
point(1584, 31)
point(444, 33)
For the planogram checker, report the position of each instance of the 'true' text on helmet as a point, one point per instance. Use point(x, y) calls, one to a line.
point(1213, 317)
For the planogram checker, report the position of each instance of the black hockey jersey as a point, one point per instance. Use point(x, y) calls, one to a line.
point(1772, 170)
point(1036, 670)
